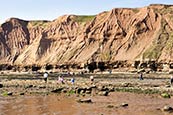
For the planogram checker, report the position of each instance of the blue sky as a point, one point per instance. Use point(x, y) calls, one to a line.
point(52, 9)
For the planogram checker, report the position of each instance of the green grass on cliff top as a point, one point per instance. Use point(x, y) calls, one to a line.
point(83, 18)
point(35, 23)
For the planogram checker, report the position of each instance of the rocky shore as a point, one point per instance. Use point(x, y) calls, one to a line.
point(119, 93)
point(103, 84)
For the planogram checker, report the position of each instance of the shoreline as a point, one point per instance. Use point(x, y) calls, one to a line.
point(103, 82)
point(105, 96)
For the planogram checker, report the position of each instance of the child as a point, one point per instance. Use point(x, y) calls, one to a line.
point(72, 80)
point(61, 79)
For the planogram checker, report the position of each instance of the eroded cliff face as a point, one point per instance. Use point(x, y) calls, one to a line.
point(120, 34)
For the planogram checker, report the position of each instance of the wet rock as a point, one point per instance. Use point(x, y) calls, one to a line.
point(102, 88)
point(124, 104)
point(28, 86)
point(42, 87)
point(126, 85)
point(9, 93)
point(103, 93)
point(84, 100)
point(167, 108)
point(64, 91)
point(58, 90)
point(167, 86)
point(22, 93)
point(111, 89)
point(93, 86)
point(110, 106)
point(166, 95)
point(88, 92)
point(80, 90)
point(1, 85)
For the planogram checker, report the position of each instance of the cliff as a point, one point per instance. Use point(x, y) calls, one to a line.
point(122, 34)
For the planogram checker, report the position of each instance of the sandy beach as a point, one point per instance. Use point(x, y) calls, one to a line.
point(125, 95)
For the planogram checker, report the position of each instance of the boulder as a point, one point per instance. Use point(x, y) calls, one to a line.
point(22, 93)
point(103, 93)
point(1, 85)
point(126, 84)
point(80, 90)
point(167, 108)
point(124, 104)
point(10, 93)
point(110, 106)
point(166, 95)
point(28, 86)
point(84, 100)
point(58, 90)
point(88, 92)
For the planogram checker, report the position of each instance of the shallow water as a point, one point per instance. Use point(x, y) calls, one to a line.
point(139, 104)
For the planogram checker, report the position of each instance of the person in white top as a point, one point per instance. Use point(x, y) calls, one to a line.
point(171, 80)
point(92, 79)
point(45, 76)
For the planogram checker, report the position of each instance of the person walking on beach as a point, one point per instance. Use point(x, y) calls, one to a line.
point(72, 80)
point(171, 80)
point(141, 76)
point(45, 76)
point(61, 79)
point(91, 79)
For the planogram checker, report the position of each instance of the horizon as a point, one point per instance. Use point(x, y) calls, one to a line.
point(51, 10)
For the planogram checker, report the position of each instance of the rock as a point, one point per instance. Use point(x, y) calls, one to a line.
point(166, 95)
point(28, 86)
point(102, 88)
point(80, 90)
point(167, 86)
point(88, 92)
point(167, 108)
point(64, 91)
point(110, 106)
point(141, 70)
point(93, 86)
point(84, 100)
point(10, 93)
point(103, 93)
point(22, 93)
point(42, 87)
point(124, 105)
point(7, 93)
point(111, 89)
point(1, 85)
point(126, 84)
point(58, 90)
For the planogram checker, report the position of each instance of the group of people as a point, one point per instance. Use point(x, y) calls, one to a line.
point(61, 79)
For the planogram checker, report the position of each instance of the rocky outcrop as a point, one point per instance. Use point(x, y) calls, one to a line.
point(122, 34)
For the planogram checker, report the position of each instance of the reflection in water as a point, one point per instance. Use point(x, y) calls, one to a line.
point(139, 104)
point(37, 105)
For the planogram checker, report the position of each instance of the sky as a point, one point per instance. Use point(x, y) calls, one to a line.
point(52, 9)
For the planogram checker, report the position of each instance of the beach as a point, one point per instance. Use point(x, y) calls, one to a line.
point(119, 94)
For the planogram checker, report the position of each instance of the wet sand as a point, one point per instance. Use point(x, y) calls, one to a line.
point(138, 104)
point(63, 104)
